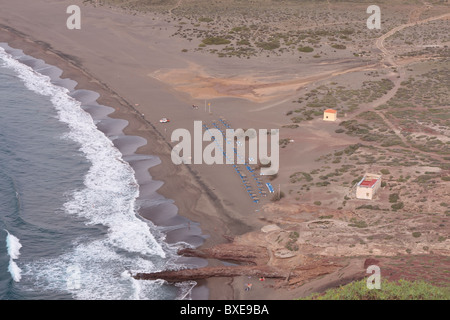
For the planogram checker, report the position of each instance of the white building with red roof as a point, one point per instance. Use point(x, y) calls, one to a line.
point(368, 186)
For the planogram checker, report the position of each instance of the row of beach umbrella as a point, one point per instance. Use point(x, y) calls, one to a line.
point(259, 184)
point(238, 170)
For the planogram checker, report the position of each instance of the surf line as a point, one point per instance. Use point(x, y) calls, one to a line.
point(13, 246)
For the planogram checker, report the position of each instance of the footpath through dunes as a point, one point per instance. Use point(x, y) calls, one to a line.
point(387, 54)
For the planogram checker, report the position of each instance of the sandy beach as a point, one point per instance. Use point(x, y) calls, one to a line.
point(145, 73)
point(136, 98)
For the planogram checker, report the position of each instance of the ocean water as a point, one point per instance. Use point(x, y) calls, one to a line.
point(69, 227)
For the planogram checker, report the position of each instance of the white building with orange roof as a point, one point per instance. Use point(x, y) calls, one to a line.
point(330, 115)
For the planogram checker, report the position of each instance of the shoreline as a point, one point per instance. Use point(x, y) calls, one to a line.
point(184, 229)
point(145, 69)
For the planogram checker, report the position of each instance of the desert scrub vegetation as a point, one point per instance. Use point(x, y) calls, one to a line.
point(268, 45)
point(420, 108)
point(357, 223)
point(390, 290)
point(291, 244)
point(215, 41)
point(371, 129)
point(305, 49)
point(340, 98)
point(393, 197)
point(272, 28)
point(284, 142)
point(138, 5)
point(433, 33)
point(205, 19)
point(397, 206)
point(339, 46)
point(300, 176)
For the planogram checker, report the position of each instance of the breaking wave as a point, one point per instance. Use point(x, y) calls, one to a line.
point(93, 270)
point(13, 246)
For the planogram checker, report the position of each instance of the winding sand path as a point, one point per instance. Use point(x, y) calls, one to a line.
point(389, 57)
point(380, 41)
point(175, 6)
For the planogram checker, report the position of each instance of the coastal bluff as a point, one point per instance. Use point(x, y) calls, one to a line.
point(252, 260)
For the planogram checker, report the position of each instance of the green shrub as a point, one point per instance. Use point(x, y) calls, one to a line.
point(291, 245)
point(291, 126)
point(393, 197)
point(243, 42)
point(294, 235)
point(305, 49)
point(270, 45)
point(339, 46)
point(424, 178)
point(204, 19)
point(297, 119)
point(397, 206)
point(299, 176)
point(358, 223)
point(369, 206)
point(390, 290)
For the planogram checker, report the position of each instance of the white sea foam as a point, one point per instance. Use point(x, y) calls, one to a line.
point(94, 271)
point(15, 271)
point(185, 289)
point(137, 289)
point(109, 199)
point(13, 245)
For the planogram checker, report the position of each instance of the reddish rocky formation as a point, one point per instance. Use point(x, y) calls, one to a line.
point(230, 252)
point(209, 272)
point(254, 261)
